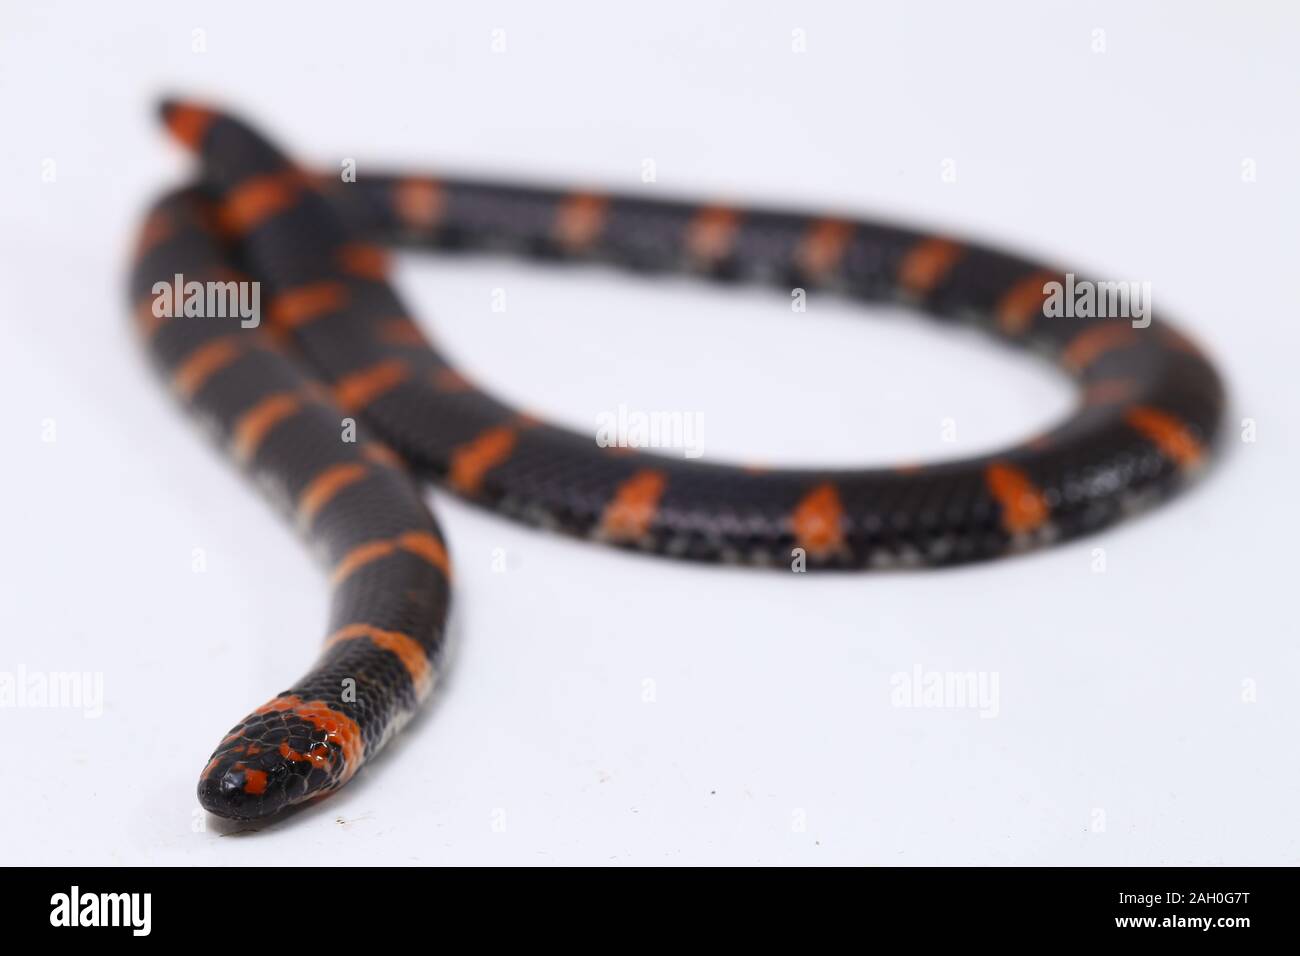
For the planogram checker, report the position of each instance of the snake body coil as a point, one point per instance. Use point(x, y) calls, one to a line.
point(339, 345)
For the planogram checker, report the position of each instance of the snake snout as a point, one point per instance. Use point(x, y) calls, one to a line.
point(231, 788)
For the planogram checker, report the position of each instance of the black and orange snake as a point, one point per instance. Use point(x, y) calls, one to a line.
point(339, 346)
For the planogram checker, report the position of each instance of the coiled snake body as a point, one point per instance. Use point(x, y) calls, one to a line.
point(338, 344)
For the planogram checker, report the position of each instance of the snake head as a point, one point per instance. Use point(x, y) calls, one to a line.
point(286, 752)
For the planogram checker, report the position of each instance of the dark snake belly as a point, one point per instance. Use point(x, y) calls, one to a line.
point(338, 404)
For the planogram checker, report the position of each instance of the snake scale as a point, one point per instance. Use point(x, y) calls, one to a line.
point(338, 347)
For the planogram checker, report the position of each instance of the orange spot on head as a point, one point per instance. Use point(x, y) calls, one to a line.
point(420, 203)
point(257, 199)
point(1024, 508)
point(189, 123)
point(255, 424)
point(407, 649)
point(1092, 343)
point(1022, 303)
point(471, 461)
point(204, 362)
point(818, 521)
point(354, 392)
point(711, 235)
point(927, 263)
point(631, 512)
point(580, 220)
point(340, 730)
point(318, 755)
point(823, 246)
point(254, 781)
point(322, 489)
point(1174, 439)
point(297, 307)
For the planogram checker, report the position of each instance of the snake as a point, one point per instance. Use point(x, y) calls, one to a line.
point(340, 407)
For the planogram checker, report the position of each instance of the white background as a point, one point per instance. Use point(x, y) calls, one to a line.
point(1121, 693)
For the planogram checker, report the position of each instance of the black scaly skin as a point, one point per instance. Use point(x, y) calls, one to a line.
point(339, 344)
